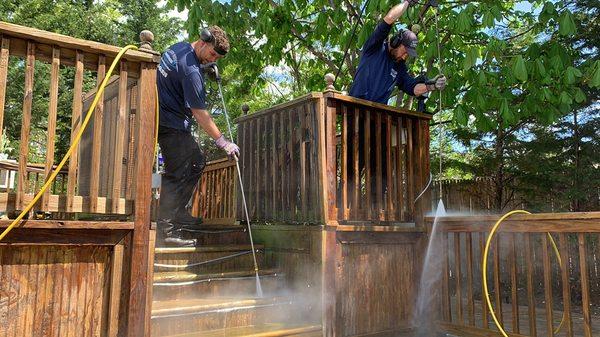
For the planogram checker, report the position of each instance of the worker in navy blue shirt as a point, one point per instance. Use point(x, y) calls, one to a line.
point(182, 98)
point(382, 64)
point(382, 67)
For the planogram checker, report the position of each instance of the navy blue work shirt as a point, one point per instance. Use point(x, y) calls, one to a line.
point(378, 72)
point(180, 83)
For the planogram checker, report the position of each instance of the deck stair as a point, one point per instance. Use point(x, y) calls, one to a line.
point(210, 290)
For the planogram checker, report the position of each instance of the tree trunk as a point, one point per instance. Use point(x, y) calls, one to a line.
point(576, 202)
point(499, 174)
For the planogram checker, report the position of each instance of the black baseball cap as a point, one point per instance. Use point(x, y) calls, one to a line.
point(409, 40)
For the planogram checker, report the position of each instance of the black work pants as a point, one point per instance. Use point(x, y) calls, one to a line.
point(183, 164)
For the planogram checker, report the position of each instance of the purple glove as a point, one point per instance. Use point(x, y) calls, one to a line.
point(230, 148)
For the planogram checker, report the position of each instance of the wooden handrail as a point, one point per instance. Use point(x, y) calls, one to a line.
point(27, 33)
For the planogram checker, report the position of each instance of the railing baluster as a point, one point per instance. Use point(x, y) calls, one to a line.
point(23, 181)
point(514, 285)
point(355, 162)
point(256, 178)
point(458, 278)
point(52, 115)
point(547, 287)
point(410, 174)
point(530, 290)
point(274, 171)
point(75, 125)
point(4, 56)
point(446, 307)
point(378, 169)
point(97, 138)
point(115, 194)
point(470, 300)
point(400, 170)
point(566, 283)
point(292, 168)
point(344, 163)
point(389, 212)
point(484, 307)
point(585, 287)
point(497, 289)
point(282, 166)
point(367, 154)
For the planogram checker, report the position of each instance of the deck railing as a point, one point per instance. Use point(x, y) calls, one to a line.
point(214, 197)
point(329, 157)
point(531, 292)
point(99, 175)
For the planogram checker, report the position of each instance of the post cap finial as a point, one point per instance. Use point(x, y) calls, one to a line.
point(329, 79)
point(245, 109)
point(146, 39)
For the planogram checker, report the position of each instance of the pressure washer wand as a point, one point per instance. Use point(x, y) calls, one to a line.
point(214, 67)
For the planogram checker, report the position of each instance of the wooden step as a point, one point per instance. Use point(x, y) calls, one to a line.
point(265, 330)
point(219, 234)
point(193, 316)
point(207, 258)
point(172, 286)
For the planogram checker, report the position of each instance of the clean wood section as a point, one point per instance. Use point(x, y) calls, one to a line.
point(138, 311)
point(75, 125)
point(23, 182)
point(97, 136)
point(52, 116)
point(4, 53)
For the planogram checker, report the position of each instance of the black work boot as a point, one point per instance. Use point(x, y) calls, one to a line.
point(185, 219)
point(170, 235)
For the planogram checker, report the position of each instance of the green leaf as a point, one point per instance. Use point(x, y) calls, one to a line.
point(519, 69)
point(488, 19)
point(481, 79)
point(540, 67)
point(566, 24)
point(564, 98)
point(571, 75)
point(595, 78)
point(504, 111)
point(464, 21)
point(470, 58)
point(579, 96)
point(461, 116)
point(548, 94)
point(556, 62)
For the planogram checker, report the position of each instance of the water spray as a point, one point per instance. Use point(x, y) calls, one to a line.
point(215, 69)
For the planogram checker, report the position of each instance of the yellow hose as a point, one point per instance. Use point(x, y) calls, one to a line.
point(484, 268)
point(77, 139)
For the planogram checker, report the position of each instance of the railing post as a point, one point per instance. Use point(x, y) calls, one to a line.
point(139, 313)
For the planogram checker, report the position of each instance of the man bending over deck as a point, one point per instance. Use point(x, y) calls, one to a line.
point(382, 63)
point(382, 66)
point(182, 95)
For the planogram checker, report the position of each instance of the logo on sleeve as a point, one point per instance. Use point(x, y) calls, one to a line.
point(168, 63)
point(394, 73)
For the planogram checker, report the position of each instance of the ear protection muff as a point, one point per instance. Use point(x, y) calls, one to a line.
point(396, 40)
point(206, 35)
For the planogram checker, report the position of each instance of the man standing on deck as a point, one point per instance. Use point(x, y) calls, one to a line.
point(382, 63)
point(182, 95)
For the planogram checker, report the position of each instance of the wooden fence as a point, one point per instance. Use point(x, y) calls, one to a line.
point(78, 277)
point(531, 292)
point(329, 157)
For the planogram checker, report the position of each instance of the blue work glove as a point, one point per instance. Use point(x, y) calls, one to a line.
point(230, 148)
